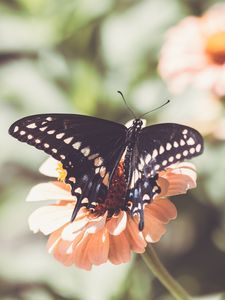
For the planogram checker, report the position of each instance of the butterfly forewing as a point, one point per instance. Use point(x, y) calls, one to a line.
point(164, 144)
point(89, 149)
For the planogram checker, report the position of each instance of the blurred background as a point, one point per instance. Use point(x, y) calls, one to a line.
point(72, 56)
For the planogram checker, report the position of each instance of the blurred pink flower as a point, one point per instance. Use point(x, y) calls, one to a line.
point(194, 53)
point(93, 239)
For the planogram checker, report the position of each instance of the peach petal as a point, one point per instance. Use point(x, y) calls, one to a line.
point(49, 167)
point(81, 259)
point(53, 240)
point(49, 218)
point(48, 191)
point(119, 250)
point(117, 223)
point(60, 253)
point(179, 184)
point(98, 247)
point(71, 231)
point(165, 207)
point(96, 223)
point(65, 247)
point(163, 210)
point(134, 236)
point(153, 230)
point(64, 251)
point(180, 177)
point(64, 259)
point(164, 185)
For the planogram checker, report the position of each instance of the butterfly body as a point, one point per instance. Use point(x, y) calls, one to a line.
point(91, 149)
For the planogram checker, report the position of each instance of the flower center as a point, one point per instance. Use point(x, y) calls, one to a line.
point(215, 47)
point(62, 172)
point(115, 199)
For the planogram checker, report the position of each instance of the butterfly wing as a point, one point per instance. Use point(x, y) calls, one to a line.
point(88, 148)
point(157, 147)
point(161, 145)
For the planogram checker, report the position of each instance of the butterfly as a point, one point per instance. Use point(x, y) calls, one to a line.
point(90, 150)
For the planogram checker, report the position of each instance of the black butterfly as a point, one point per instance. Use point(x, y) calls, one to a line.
point(90, 150)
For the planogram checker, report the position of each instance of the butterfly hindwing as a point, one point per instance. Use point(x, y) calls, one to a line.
point(156, 148)
point(142, 187)
point(88, 148)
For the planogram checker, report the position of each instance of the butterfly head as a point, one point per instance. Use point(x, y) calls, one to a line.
point(137, 123)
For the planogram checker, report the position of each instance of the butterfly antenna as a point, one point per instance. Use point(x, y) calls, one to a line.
point(168, 101)
point(131, 111)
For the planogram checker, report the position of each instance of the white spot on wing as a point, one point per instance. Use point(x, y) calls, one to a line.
point(78, 190)
point(146, 197)
point(164, 162)
point(72, 179)
point(192, 150)
point(182, 142)
point(22, 132)
point(155, 189)
point(168, 146)
point(68, 140)
point(198, 148)
point(51, 131)
point(77, 145)
point(86, 151)
point(43, 128)
point(16, 129)
point(148, 158)
point(154, 153)
point(185, 131)
point(60, 135)
point(171, 159)
point(31, 126)
point(85, 201)
point(161, 149)
point(178, 155)
point(190, 141)
point(175, 144)
point(185, 153)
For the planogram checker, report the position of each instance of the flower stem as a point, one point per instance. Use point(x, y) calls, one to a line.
point(155, 266)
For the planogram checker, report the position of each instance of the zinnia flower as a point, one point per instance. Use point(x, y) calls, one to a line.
point(194, 53)
point(93, 239)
